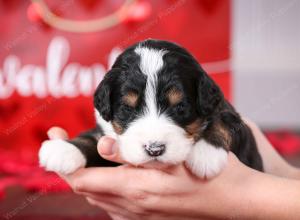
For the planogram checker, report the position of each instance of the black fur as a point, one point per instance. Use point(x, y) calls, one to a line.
point(202, 100)
point(86, 142)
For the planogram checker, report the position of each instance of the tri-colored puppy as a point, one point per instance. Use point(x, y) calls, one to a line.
point(160, 106)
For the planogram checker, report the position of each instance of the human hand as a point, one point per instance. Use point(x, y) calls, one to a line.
point(127, 192)
point(273, 162)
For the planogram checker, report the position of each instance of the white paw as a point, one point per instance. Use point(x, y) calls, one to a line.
point(205, 160)
point(61, 157)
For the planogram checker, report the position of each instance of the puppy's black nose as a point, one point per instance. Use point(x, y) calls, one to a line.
point(155, 149)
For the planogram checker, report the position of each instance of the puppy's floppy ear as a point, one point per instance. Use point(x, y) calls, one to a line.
point(210, 96)
point(103, 95)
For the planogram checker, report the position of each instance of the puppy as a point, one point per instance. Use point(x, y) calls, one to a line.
point(160, 106)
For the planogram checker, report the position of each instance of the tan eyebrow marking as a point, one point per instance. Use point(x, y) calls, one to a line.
point(131, 99)
point(194, 130)
point(174, 96)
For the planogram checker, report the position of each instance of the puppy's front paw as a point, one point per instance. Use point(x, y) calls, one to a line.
point(206, 160)
point(61, 157)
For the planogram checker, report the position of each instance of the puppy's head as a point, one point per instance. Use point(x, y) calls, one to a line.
point(155, 101)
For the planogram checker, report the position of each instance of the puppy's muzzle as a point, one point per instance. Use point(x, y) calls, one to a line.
point(155, 149)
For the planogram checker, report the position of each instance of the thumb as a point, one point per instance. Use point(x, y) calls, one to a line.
point(109, 150)
point(57, 133)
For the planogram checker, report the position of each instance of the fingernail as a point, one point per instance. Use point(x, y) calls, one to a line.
point(107, 146)
point(50, 134)
point(114, 148)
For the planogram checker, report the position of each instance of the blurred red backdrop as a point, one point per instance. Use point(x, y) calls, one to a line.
point(35, 96)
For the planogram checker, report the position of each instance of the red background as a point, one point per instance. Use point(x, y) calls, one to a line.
point(204, 31)
point(201, 26)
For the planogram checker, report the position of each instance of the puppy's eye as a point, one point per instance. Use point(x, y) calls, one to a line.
point(180, 109)
point(125, 112)
point(127, 108)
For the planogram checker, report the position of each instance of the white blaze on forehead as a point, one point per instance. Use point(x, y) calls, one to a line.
point(150, 64)
point(152, 126)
